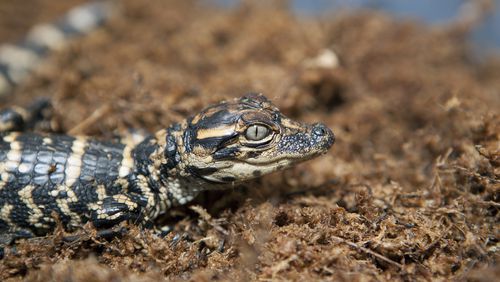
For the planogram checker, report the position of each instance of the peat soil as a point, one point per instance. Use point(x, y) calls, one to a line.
point(410, 191)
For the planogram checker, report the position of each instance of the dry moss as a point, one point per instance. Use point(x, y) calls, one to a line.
point(409, 192)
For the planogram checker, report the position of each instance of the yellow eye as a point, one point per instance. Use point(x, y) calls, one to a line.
point(257, 132)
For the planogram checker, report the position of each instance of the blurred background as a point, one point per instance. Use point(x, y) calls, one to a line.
point(483, 14)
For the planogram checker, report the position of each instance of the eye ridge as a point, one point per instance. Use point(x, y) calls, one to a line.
point(257, 132)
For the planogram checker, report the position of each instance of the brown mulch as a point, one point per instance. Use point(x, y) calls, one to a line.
point(410, 191)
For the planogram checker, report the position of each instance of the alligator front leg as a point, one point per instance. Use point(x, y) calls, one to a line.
point(116, 209)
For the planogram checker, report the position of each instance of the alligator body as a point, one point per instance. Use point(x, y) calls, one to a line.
point(47, 178)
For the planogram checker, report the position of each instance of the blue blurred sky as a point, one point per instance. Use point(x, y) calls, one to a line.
point(486, 35)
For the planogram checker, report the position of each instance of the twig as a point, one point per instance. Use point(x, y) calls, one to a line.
point(434, 243)
point(94, 117)
point(368, 251)
point(471, 173)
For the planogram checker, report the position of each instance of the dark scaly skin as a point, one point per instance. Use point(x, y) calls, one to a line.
point(80, 179)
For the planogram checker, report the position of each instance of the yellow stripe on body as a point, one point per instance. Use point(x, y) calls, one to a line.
point(127, 163)
point(13, 158)
point(74, 162)
point(35, 212)
point(5, 213)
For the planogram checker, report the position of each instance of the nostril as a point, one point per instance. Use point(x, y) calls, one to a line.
point(319, 130)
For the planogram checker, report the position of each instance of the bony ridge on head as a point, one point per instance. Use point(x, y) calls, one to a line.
point(242, 138)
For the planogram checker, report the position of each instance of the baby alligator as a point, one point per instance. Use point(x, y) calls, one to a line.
point(45, 179)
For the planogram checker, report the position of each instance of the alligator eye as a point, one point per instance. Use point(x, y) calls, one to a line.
point(257, 132)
